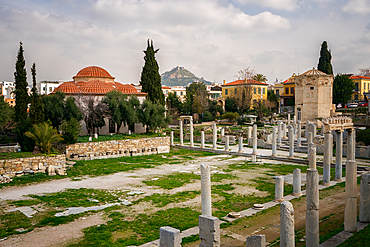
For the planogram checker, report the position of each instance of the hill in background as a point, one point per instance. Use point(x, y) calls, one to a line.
point(179, 76)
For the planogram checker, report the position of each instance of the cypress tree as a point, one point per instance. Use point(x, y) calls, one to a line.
point(21, 95)
point(37, 107)
point(325, 60)
point(150, 78)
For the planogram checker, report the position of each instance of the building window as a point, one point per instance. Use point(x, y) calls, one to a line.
point(50, 89)
point(176, 93)
point(356, 97)
point(299, 113)
point(235, 91)
point(255, 90)
point(356, 86)
point(311, 88)
point(226, 91)
point(286, 90)
point(259, 90)
point(292, 90)
point(43, 89)
point(181, 93)
point(264, 90)
point(277, 92)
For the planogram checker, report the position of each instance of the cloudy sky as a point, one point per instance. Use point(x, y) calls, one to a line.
point(213, 39)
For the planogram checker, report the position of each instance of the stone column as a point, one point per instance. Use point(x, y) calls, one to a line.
point(171, 136)
point(312, 208)
point(214, 136)
point(227, 140)
point(169, 237)
point(202, 139)
point(254, 139)
point(312, 158)
point(350, 211)
point(365, 198)
point(240, 144)
point(299, 137)
point(338, 156)
point(222, 132)
point(205, 172)
point(191, 133)
point(284, 131)
point(249, 132)
point(256, 241)
point(331, 147)
point(279, 189)
point(274, 152)
point(287, 224)
point(291, 142)
point(181, 134)
point(279, 133)
point(297, 183)
point(350, 144)
point(326, 172)
point(306, 128)
point(309, 141)
point(209, 231)
point(288, 122)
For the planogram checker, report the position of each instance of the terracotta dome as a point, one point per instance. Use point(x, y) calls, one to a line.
point(69, 88)
point(126, 88)
point(93, 71)
point(96, 87)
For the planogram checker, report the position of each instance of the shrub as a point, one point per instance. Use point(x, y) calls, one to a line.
point(363, 136)
point(259, 124)
point(44, 135)
point(71, 130)
point(230, 116)
point(241, 120)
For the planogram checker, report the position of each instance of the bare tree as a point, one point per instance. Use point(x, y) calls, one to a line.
point(243, 97)
point(246, 73)
point(365, 71)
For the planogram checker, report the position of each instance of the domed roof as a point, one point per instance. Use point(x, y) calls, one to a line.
point(93, 71)
point(69, 88)
point(314, 71)
point(96, 87)
point(126, 88)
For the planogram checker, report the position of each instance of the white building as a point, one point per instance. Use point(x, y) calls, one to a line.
point(47, 87)
point(8, 88)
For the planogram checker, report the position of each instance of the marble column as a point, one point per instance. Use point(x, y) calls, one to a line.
point(291, 142)
point(254, 139)
point(312, 208)
point(350, 144)
point(181, 134)
point(205, 172)
point(240, 144)
point(279, 189)
point(309, 141)
point(306, 128)
point(214, 137)
point(331, 147)
point(299, 137)
point(169, 237)
point(338, 156)
point(222, 132)
point(249, 132)
point(227, 140)
point(202, 139)
point(288, 122)
point(365, 198)
point(312, 158)
point(297, 182)
point(171, 136)
point(274, 151)
point(326, 166)
point(279, 133)
point(191, 133)
point(284, 131)
point(350, 211)
point(287, 224)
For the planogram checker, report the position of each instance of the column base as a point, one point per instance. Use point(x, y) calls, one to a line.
point(254, 153)
point(291, 157)
point(326, 184)
point(296, 194)
point(240, 151)
point(338, 179)
point(278, 200)
point(273, 155)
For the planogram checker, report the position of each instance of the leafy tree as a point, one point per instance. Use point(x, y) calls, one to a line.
point(173, 102)
point(325, 60)
point(21, 95)
point(150, 78)
point(196, 98)
point(71, 110)
point(37, 107)
point(343, 87)
point(214, 109)
point(44, 135)
point(152, 115)
point(230, 116)
point(272, 98)
point(71, 130)
point(94, 114)
point(230, 105)
point(260, 77)
point(6, 114)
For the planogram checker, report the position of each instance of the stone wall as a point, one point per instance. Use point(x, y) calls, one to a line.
point(10, 148)
point(118, 148)
point(31, 165)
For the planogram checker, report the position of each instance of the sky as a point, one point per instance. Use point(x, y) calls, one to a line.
point(213, 39)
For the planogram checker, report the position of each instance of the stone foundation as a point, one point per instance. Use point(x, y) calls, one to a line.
point(31, 165)
point(118, 148)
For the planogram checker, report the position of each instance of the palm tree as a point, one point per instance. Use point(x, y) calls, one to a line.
point(44, 135)
point(259, 77)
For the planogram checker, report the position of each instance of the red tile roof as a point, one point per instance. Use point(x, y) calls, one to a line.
point(96, 87)
point(93, 71)
point(241, 82)
point(360, 77)
point(68, 87)
point(165, 87)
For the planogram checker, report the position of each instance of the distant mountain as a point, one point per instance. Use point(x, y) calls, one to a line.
point(179, 76)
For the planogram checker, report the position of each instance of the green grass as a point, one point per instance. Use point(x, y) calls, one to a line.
point(173, 180)
point(161, 200)
point(190, 239)
point(7, 156)
point(144, 228)
point(12, 221)
point(361, 238)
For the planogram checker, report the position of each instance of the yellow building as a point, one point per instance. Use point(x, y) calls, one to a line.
point(259, 89)
point(362, 85)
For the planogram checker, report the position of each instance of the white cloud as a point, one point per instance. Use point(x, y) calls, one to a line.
point(288, 5)
point(357, 6)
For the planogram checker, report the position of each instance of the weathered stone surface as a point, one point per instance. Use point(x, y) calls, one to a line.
point(254, 139)
point(327, 153)
point(297, 182)
point(312, 228)
point(51, 170)
point(312, 211)
point(365, 198)
point(240, 144)
point(209, 231)
point(206, 190)
point(169, 237)
point(287, 224)
point(274, 148)
point(312, 156)
point(291, 141)
point(350, 211)
point(279, 189)
point(214, 136)
point(338, 156)
point(256, 241)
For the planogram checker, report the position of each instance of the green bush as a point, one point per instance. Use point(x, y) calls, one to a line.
point(71, 130)
point(241, 120)
point(231, 116)
point(363, 136)
point(260, 124)
point(207, 116)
